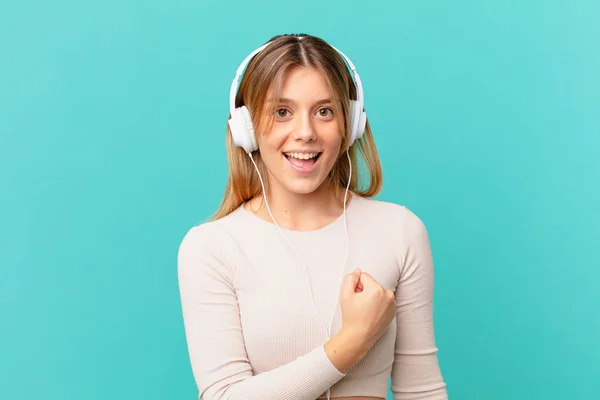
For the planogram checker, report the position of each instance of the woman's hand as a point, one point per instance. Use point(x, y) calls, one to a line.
point(367, 307)
point(367, 310)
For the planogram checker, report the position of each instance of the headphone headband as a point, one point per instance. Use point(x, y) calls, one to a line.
point(238, 73)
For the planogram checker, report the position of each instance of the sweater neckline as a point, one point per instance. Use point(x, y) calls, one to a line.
point(339, 220)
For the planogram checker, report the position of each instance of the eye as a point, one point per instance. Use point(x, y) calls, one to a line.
point(325, 112)
point(281, 112)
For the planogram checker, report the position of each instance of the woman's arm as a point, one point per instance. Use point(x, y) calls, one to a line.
point(215, 342)
point(415, 372)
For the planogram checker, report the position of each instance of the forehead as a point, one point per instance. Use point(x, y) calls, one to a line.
point(302, 83)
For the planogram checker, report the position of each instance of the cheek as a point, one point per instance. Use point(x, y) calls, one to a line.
point(334, 142)
point(332, 151)
point(332, 134)
point(270, 145)
point(275, 138)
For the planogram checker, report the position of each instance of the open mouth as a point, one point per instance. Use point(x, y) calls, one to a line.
point(303, 161)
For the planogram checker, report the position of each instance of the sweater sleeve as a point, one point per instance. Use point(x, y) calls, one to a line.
point(215, 342)
point(415, 372)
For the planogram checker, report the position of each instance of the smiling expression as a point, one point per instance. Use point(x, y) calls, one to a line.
point(304, 141)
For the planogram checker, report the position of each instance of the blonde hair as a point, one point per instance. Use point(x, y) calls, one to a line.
point(264, 77)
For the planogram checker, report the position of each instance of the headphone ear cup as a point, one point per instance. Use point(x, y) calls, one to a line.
point(362, 123)
point(249, 129)
point(242, 130)
point(358, 120)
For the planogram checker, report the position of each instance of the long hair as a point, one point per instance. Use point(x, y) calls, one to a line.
point(264, 75)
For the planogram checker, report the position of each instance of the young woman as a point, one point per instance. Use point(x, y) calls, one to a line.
point(302, 286)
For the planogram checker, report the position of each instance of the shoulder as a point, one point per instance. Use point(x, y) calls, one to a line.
point(197, 244)
point(386, 213)
point(212, 240)
point(202, 255)
point(396, 227)
point(206, 237)
point(200, 235)
point(210, 233)
point(393, 224)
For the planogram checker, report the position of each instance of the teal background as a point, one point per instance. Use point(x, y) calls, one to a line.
point(112, 123)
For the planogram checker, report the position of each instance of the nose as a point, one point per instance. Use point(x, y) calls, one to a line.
point(304, 129)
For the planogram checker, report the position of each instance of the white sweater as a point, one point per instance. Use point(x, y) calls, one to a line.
point(251, 328)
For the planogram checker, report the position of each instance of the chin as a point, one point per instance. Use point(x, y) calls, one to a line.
point(302, 186)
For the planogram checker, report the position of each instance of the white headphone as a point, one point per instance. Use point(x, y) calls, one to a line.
point(240, 122)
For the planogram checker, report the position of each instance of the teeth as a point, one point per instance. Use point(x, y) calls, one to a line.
point(302, 156)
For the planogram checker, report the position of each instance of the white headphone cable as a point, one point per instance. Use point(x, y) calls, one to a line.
point(327, 331)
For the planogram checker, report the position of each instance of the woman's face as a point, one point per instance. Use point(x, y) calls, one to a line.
point(304, 142)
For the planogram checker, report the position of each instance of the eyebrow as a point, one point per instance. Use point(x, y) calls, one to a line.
point(286, 100)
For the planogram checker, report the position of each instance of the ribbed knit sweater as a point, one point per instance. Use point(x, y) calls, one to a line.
point(252, 331)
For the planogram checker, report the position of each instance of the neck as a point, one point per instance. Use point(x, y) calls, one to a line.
point(301, 212)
